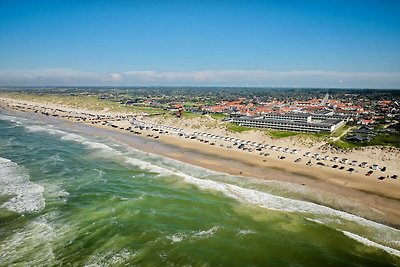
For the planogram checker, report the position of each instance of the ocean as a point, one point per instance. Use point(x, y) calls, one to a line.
point(68, 198)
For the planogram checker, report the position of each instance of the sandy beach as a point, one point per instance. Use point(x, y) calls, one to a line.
point(352, 191)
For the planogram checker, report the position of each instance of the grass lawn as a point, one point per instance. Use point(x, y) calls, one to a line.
point(217, 116)
point(237, 128)
point(386, 139)
point(340, 131)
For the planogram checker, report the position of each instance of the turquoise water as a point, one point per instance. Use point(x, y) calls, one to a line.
point(71, 199)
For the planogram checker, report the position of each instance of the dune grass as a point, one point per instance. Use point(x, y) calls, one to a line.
point(277, 133)
point(237, 128)
point(190, 115)
point(345, 144)
point(285, 134)
point(281, 134)
point(82, 102)
point(383, 139)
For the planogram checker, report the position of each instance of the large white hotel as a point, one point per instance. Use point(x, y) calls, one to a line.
point(299, 122)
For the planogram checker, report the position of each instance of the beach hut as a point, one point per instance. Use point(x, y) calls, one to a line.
point(364, 164)
point(374, 166)
point(317, 156)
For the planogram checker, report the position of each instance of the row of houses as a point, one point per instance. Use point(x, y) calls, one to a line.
point(363, 134)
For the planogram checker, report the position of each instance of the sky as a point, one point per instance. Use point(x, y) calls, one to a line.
point(349, 43)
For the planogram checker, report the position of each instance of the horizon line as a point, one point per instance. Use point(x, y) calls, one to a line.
point(195, 86)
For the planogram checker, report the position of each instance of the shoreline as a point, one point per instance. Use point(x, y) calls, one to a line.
point(360, 195)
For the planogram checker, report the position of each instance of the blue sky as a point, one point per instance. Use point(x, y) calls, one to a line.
point(231, 43)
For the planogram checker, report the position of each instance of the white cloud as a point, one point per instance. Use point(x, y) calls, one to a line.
point(113, 77)
point(267, 78)
point(46, 77)
point(206, 77)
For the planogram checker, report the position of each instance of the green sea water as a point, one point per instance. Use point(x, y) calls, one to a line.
point(69, 199)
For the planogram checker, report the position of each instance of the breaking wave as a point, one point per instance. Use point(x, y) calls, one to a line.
point(32, 243)
point(16, 120)
point(111, 258)
point(370, 243)
point(27, 196)
point(70, 137)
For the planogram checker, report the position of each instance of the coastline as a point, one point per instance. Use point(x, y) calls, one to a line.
point(358, 194)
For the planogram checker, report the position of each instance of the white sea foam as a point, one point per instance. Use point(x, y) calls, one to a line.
point(48, 129)
point(148, 166)
point(14, 181)
point(70, 137)
point(175, 238)
point(32, 243)
point(56, 157)
point(206, 233)
point(111, 258)
point(93, 145)
point(173, 164)
point(200, 234)
point(370, 243)
point(101, 175)
point(16, 120)
point(314, 220)
point(245, 232)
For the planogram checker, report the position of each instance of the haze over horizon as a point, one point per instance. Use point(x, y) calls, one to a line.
point(344, 44)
